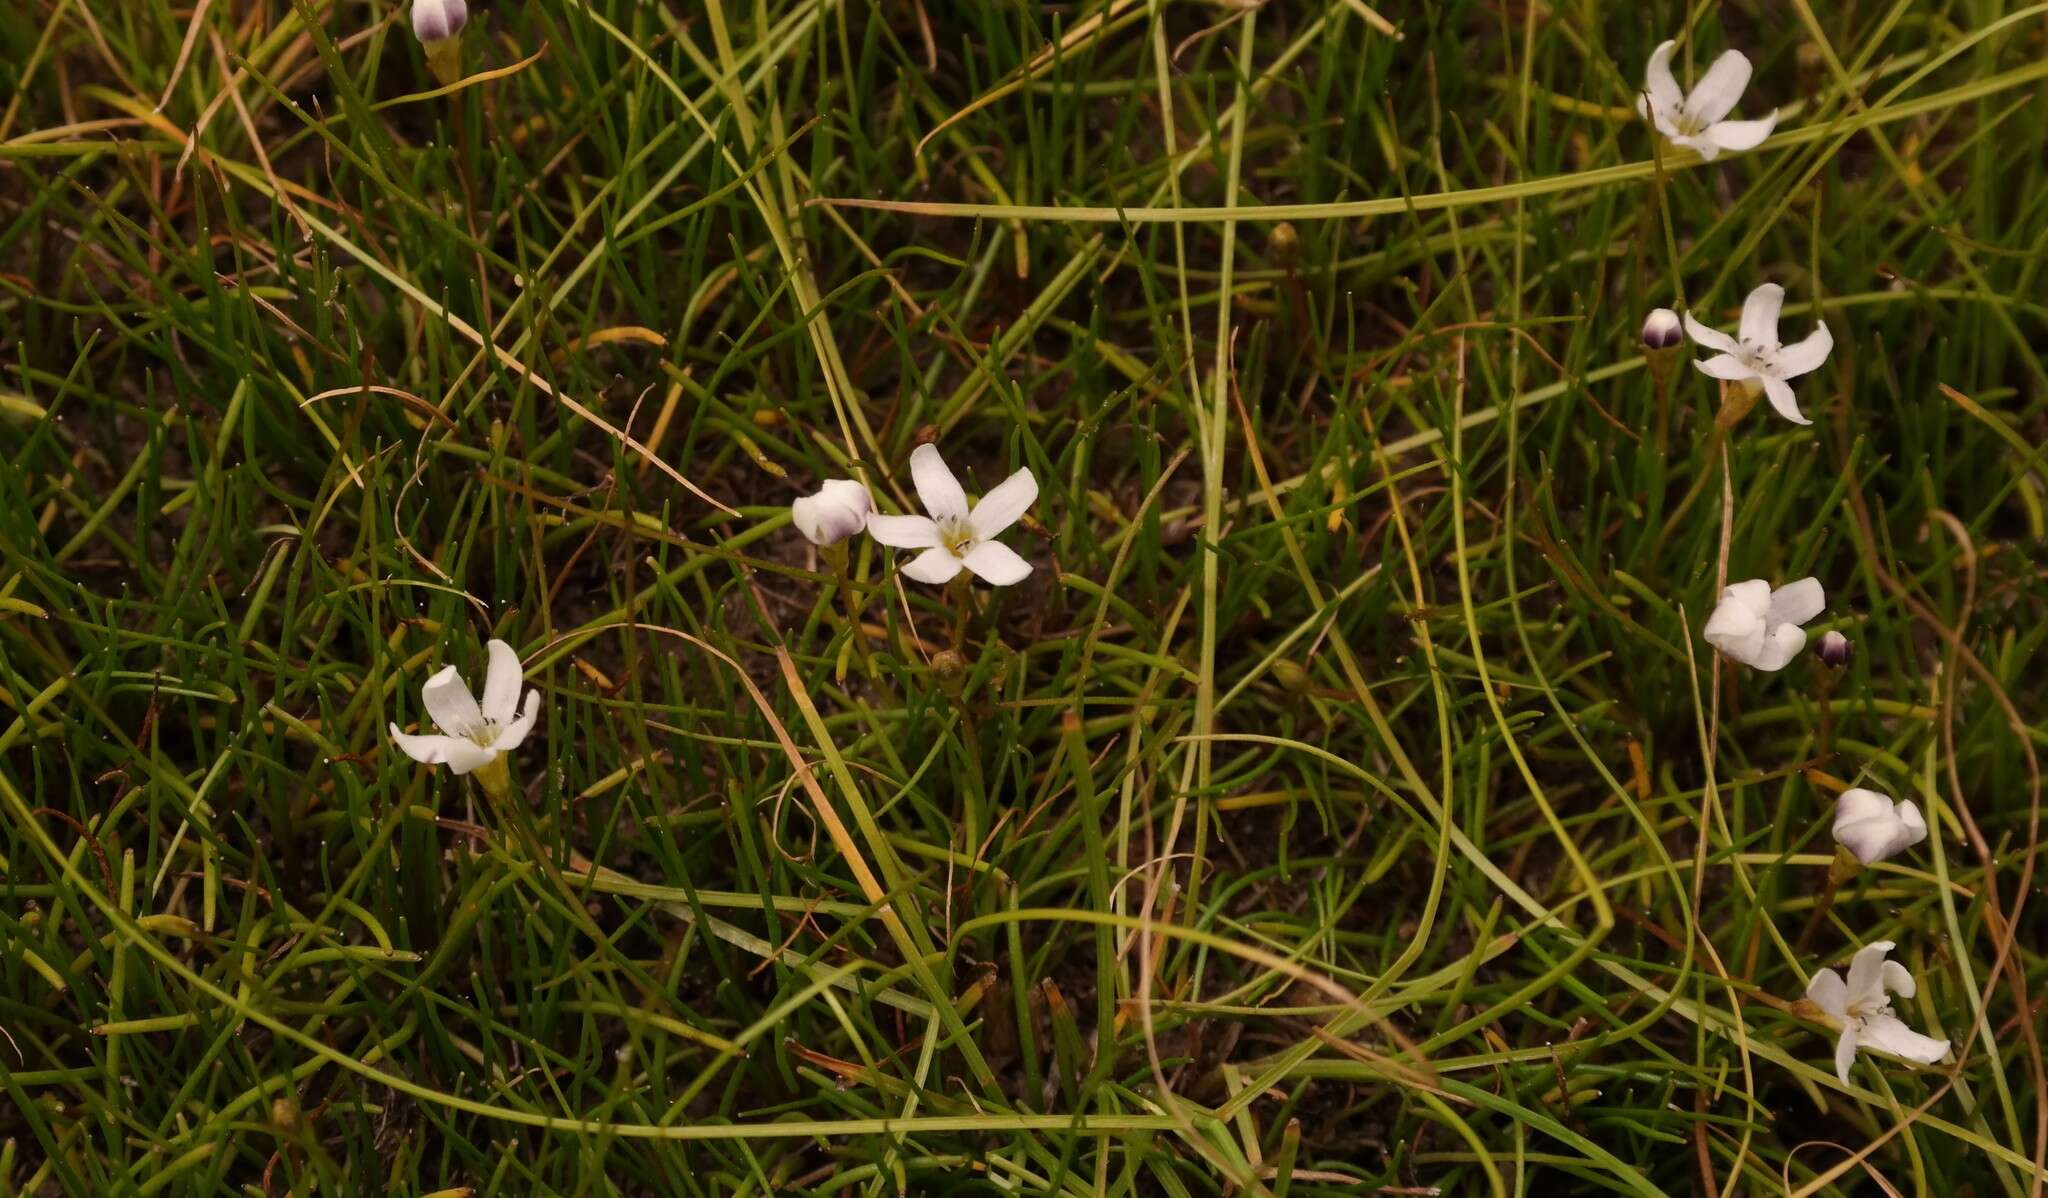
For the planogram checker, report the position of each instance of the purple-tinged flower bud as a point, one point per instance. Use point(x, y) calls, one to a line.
point(438, 20)
point(1835, 649)
point(1661, 329)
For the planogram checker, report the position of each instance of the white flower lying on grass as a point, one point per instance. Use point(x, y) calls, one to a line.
point(438, 20)
point(1694, 121)
point(839, 510)
point(473, 734)
point(952, 536)
point(1758, 359)
point(1864, 1010)
point(1871, 826)
point(1760, 627)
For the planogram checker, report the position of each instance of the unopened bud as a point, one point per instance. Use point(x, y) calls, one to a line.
point(1835, 649)
point(438, 20)
point(1283, 245)
point(1290, 676)
point(1661, 329)
point(1662, 336)
point(438, 24)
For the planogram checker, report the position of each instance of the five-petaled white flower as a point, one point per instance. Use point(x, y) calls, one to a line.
point(952, 536)
point(839, 510)
point(1757, 359)
point(438, 20)
point(473, 734)
point(1760, 627)
point(1871, 826)
point(1694, 121)
point(1865, 1011)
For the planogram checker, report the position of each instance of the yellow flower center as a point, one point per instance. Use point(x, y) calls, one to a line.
point(956, 535)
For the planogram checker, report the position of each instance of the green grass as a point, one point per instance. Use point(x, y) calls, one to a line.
point(1346, 801)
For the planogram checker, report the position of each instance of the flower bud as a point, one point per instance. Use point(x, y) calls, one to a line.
point(1835, 649)
point(438, 20)
point(1661, 329)
point(438, 24)
point(1283, 245)
point(839, 510)
point(1662, 337)
point(949, 670)
point(1291, 677)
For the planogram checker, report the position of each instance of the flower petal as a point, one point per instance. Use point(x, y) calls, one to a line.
point(1752, 595)
point(1737, 627)
point(458, 753)
point(839, 510)
point(1745, 645)
point(1796, 602)
point(847, 494)
point(1866, 972)
point(1741, 135)
point(1899, 980)
point(1000, 508)
point(515, 731)
point(1845, 1052)
point(1870, 839)
point(1760, 314)
point(1912, 823)
point(1664, 96)
point(936, 487)
point(1779, 392)
point(1868, 825)
point(1702, 146)
point(1781, 645)
point(501, 684)
point(1713, 339)
point(449, 702)
point(1886, 1033)
point(1826, 991)
point(904, 532)
point(1725, 366)
point(1714, 96)
point(935, 565)
point(996, 564)
point(1804, 355)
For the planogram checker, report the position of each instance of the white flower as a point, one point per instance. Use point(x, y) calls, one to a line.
point(953, 537)
point(1865, 1012)
point(1695, 121)
point(1760, 627)
point(839, 510)
point(1660, 329)
point(1758, 358)
point(1871, 826)
point(473, 734)
point(438, 20)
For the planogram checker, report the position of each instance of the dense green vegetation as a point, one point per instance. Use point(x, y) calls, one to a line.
point(1347, 802)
